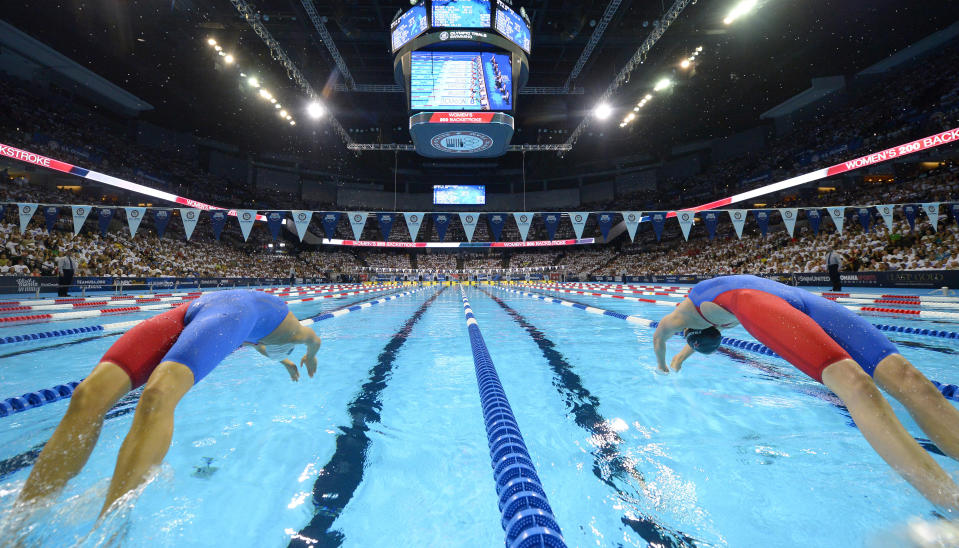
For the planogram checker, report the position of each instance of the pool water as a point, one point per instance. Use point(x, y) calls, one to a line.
point(386, 446)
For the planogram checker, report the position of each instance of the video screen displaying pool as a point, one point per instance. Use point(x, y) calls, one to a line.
point(471, 81)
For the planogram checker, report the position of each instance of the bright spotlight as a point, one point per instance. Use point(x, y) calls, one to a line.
point(283, 113)
point(218, 48)
point(253, 82)
point(603, 111)
point(663, 84)
point(685, 63)
point(278, 105)
point(699, 49)
point(220, 53)
point(265, 94)
point(292, 122)
point(211, 41)
point(315, 110)
point(648, 97)
point(228, 59)
point(741, 9)
point(273, 100)
point(635, 109)
point(631, 117)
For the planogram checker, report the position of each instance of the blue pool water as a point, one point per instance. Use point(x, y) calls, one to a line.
point(386, 446)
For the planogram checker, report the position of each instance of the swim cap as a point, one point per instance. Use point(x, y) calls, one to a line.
point(704, 341)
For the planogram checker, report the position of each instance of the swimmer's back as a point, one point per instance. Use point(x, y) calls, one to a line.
point(265, 310)
point(708, 290)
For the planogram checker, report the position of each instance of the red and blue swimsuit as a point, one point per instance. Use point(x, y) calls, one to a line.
point(809, 331)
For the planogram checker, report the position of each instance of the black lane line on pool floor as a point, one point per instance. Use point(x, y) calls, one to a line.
point(339, 478)
point(608, 462)
point(125, 406)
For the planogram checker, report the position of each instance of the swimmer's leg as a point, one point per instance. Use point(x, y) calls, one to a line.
point(877, 422)
point(71, 444)
point(152, 429)
point(938, 418)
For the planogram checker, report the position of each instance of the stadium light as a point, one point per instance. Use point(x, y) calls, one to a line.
point(283, 114)
point(315, 110)
point(253, 82)
point(685, 63)
point(228, 59)
point(220, 52)
point(211, 41)
point(218, 48)
point(603, 111)
point(265, 94)
point(278, 105)
point(741, 9)
point(292, 122)
point(663, 84)
point(273, 100)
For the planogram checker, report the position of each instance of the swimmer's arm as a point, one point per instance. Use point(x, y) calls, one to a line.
point(291, 369)
point(669, 325)
point(313, 342)
point(679, 358)
point(258, 347)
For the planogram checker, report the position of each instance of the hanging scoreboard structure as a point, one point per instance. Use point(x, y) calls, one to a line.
point(462, 64)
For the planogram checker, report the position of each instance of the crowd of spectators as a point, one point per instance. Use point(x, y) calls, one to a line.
point(915, 101)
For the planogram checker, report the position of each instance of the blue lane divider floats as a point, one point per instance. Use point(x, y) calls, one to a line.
point(527, 517)
point(941, 333)
point(31, 400)
point(67, 332)
point(950, 391)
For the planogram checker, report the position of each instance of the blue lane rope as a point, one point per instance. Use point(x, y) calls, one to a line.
point(54, 334)
point(943, 334)
point(950, 391)
point(527, 517)
point(42, 397)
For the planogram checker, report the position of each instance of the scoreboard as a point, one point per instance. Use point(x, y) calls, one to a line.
point(461, 13)
point(511, 25)
point(409, 25)
point(462, 64)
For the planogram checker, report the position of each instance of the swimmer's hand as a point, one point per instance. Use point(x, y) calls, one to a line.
point(309, 360)
point(292, 370)
point(677, 363)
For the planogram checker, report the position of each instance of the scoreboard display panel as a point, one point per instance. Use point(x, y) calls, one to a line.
point(512, 25)
point(409, 25)
point(459, 195)
point(461, 13)
point(468, 81)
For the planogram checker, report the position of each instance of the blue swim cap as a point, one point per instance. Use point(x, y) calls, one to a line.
point(704, 341)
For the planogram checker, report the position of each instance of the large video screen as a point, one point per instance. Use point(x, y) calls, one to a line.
point(459, 195)
point(409, 25)
point(471, 81)
point(461, 13)
point(511, 25)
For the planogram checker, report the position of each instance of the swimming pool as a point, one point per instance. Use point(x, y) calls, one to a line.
point(386, 446)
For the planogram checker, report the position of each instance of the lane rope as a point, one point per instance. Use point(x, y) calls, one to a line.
point(950, 391)
point(882, 327)
point(32, 400)
point(527, 517)
point(59, 316)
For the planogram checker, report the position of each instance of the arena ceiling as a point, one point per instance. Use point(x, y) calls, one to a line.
point(158, 51)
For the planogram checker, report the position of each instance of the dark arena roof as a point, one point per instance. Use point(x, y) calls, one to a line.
point(159, 53)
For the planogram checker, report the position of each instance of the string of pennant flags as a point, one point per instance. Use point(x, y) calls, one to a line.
point(329, 220)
